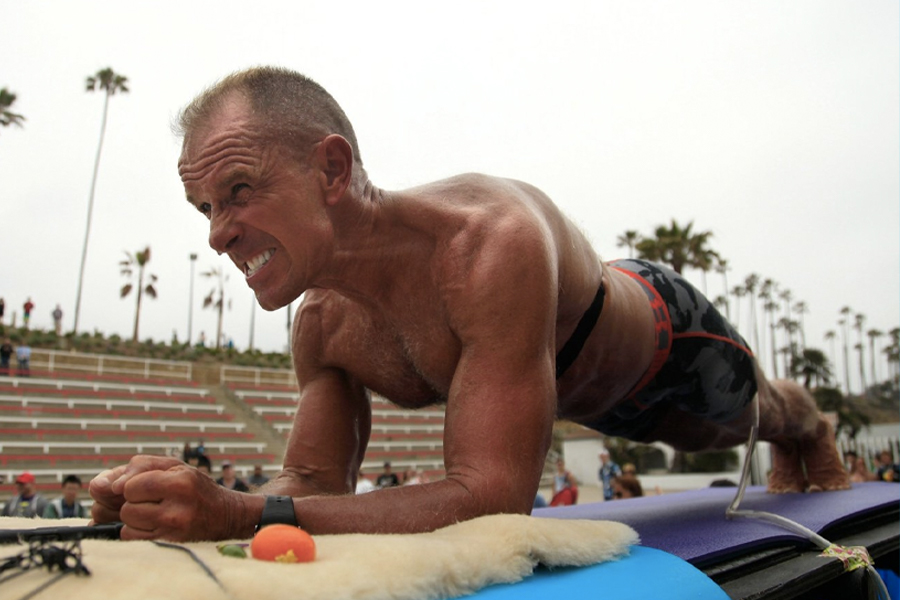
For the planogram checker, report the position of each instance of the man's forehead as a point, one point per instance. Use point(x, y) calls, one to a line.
point(231, 116)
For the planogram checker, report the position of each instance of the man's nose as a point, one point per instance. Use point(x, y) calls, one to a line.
point(223, 233)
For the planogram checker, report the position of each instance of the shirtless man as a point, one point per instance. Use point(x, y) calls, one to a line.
point(475, 292)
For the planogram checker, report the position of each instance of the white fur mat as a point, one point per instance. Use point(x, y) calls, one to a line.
point(454, 561)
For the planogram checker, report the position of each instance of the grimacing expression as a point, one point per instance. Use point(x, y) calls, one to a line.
point(265, 208)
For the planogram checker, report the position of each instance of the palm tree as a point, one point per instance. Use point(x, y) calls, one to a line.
point(766, 291)
point(771, 307)
point(216, 298)
point(858, 324)
point(801, 308)
point(830, 335)
point(675, 246)
point(738, 292)
point(702, 257)
point(111, 83)
point(750, 283)
point(722, 269)
point(7, 116)
point(873, 334)
point(844, 322)
point(786, 296)
point(812, 365)
point(850, 418)
point(630, 238)
point(892, 354)
point(139, 259)
point(720, 301)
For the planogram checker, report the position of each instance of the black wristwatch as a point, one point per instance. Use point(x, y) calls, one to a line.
point(278, 509)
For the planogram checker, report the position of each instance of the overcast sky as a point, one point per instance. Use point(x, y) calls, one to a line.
point(773, 125)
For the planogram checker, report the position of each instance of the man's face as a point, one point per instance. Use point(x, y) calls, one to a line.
point(70, 491)
point(266, 210)
point(25, 489)
point(227, 472)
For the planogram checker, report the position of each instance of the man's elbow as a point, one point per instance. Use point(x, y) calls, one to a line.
point(491, 496)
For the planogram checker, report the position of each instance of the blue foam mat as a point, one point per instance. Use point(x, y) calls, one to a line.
point(645, 573)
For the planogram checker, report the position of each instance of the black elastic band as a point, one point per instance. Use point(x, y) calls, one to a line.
point(573, 346)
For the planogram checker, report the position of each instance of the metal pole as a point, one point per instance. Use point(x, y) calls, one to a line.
point(191, 301)
point(252, 318)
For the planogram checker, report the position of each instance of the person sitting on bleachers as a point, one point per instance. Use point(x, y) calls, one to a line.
point(28, 502)
point(67, 506)
point(23, 358)
point(230, 480)
point(6, 352)
point(387, 478)
point(565, 487)
point(257, 479)
point(364, 484)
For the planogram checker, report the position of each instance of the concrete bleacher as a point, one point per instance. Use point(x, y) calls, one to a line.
point(64, 420)
point(80, 414)
point(408, 439)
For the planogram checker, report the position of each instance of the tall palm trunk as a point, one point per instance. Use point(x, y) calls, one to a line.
point(87, 231)
point(774, 351)
point(137, 312)
point(873, 372)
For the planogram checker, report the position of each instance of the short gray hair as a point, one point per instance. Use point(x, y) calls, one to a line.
point(293, 110)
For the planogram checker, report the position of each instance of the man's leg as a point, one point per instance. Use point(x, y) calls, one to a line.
point(801, 438)
point(788, 419)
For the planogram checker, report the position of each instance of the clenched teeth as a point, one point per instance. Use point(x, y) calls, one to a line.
point(253, 265)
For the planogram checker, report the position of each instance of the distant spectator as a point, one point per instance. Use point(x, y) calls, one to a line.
point(26, 309)
point(67, 506)
point(28, 502)
point(414, 477)
point(859, 471)
point(201, 448)
point(626, 486)
point(364, 484)
point(201, 341)
point(387, 478)
point(187, 452)
point(607, 472)
point(258, 478)
point(230, 480)
point(6, 351)
point(57, 315)
point(23, 358)
point(887, 470)
point(565, 488)
point(2, 310)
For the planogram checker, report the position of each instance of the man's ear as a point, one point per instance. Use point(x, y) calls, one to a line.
point(334, 158)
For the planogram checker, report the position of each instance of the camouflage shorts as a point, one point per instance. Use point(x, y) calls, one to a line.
point(702, 365)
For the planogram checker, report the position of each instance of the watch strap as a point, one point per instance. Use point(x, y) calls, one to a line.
point(278, 509)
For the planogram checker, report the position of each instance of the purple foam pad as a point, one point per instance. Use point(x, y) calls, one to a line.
point(692, 525)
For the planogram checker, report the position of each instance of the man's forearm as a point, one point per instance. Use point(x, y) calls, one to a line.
point(404, 509)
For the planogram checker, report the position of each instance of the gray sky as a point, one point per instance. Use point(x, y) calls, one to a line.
point(774, 125)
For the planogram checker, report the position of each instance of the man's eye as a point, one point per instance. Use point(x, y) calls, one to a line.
point(205, 208)
point(237, 189)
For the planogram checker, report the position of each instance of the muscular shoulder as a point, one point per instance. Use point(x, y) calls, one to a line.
point(322, 318)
